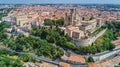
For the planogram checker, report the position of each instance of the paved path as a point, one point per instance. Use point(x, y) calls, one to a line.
point(104, 55)
point(56, 62)
point(36, 56)
point(101, 56)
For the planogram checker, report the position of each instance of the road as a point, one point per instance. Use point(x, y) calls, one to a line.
point(104, 55)
point(56, 62)
point(101, 56)
point(36, 56)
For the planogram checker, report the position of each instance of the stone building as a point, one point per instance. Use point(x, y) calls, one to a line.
point(81, 31)
point(70, 18)
point(24, 21)
point(74, 32)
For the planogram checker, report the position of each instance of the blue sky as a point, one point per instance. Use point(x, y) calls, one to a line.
point(60, 1)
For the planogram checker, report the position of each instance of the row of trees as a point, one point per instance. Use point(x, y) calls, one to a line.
point(3, 36)
point(6, 11)
point(91, 18)
point(103, 43)
point(7, 61)
point(27, 58)
point(34, 45)
point(59, 22)
point(43, 42)
point(54, 36)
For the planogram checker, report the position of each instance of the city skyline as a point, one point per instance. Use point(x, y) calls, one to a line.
point(58, 33)
point(59, 2)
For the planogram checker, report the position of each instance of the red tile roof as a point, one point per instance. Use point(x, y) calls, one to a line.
point(63, 64)
point(76, 58)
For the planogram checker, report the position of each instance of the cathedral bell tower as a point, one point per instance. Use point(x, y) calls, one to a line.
point(70, 19)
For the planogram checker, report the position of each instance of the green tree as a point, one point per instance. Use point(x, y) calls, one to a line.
point(91, 18)
point(60, 22)
point(70, 45)
point(48, 22)
point(83, 18)
point(61, 42)
point(27, 58)
point(90, 59)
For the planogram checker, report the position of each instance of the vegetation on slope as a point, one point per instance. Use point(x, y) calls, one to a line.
point(7, 59)
point(104, 42)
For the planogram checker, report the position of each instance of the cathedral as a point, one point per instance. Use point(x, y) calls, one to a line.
point(78, 29)
point(70, 18)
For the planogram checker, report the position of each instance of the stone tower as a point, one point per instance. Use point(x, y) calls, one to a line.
point(70, 19)
point(67, 19)
point(99, 22)
point(73, 16)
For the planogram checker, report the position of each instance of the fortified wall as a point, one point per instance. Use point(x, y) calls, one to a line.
point(88, 41)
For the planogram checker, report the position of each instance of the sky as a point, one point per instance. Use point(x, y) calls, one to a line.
point(60, 1)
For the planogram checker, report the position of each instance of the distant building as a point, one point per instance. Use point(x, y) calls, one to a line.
point(23, 21)
point(8, 19)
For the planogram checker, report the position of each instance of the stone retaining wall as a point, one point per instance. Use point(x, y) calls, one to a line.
point(87, 42)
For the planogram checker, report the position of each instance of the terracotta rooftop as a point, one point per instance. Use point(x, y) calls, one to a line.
point(73, 28)
point(76, 58)
point(93, 65)
point(105, 63)
point(46, 65)
point(90, 21)
point(63, 64)
point(77, 30)
point(116, 42)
